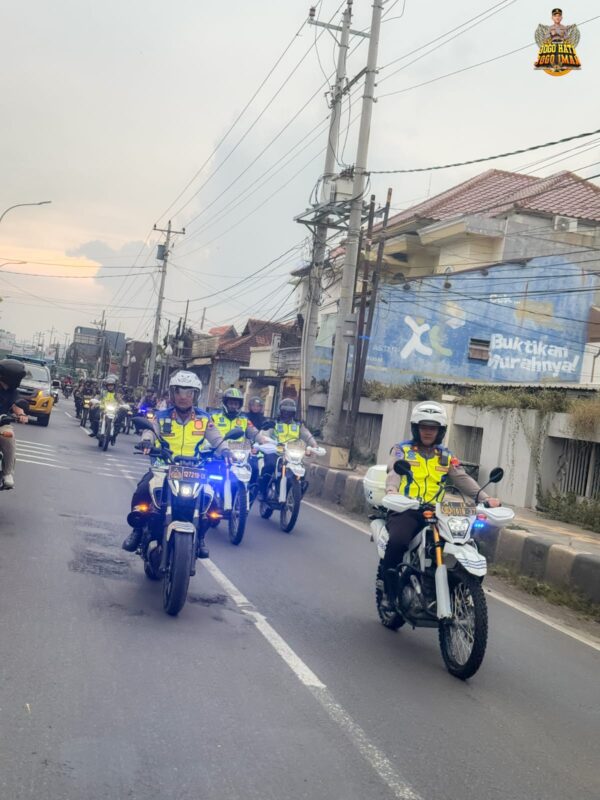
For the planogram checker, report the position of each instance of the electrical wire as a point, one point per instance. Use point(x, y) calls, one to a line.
point(223, 139)
point(487, 158)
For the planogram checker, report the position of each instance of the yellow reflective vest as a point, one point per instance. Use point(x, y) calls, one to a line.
point(429, 474)
point(187, 439)
point(287, 431)
point(224, 424)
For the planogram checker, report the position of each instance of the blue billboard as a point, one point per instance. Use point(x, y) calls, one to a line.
point(511, 322)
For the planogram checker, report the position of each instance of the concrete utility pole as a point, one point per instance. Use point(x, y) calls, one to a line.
point(164, 254)
point(311, 316)
point(344, 327)
point(100, 358)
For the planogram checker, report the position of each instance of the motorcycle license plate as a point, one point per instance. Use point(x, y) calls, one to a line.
point(457, 509)
point(187, 474)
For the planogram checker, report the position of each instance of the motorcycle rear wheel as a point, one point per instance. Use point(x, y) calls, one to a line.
point(177, 575)
point(238, 515)
point(463, 639)
point(390, 619)
point(288, 516)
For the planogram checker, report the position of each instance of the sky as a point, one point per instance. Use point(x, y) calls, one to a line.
point(121, 114)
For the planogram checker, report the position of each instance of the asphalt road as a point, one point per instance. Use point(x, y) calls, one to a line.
point(276, 680)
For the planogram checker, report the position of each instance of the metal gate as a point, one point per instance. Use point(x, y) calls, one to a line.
point(579, 468)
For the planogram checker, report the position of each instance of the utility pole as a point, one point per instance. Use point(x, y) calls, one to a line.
point(311, 317)
point(163, 252)
point(343, 330)
point(102, 335)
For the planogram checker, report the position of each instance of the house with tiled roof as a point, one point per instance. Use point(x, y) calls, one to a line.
point(218, 359)
point(480, 280)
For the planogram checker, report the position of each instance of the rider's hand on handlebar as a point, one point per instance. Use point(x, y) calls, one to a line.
point(22, 418)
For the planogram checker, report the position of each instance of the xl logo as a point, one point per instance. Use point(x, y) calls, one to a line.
point(416, 344)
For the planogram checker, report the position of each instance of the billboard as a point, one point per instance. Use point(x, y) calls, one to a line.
point(511, 322)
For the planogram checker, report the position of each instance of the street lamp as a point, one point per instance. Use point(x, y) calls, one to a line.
point(20, 205)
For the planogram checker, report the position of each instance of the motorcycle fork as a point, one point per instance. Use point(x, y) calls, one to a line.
point(283, 485)
point(442, 589)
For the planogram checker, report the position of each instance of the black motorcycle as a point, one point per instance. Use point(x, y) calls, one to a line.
point(184, 503)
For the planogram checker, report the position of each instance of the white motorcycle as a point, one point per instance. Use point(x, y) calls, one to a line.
point(231, 480)
point(107, 432)
point(287, 486)
point(439, 582)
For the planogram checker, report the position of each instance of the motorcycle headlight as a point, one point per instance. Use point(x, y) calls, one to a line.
point(111, 408)
point(239, 456)
point(187, 490)
point(458, 526)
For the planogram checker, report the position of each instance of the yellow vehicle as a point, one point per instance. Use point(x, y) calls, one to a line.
point(35, 388)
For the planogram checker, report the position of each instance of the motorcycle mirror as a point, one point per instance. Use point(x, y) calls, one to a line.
point(496, 475)
point(142, 422)
point(402, 467)
point(237, 433)
point(267, 425)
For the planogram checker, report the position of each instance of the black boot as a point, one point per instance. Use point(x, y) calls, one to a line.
point(202, 549)
point(390, 583)
point(132, 542)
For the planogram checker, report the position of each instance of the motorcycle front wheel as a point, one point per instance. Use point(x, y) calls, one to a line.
point(238, 515)
point(463, 639)
point(177, 575)
point(107, 437)
point(288, 515)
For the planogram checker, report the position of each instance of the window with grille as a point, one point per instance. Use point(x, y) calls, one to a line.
point(579, 467)
point(479, 349)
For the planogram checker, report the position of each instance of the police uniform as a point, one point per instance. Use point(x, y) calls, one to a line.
point(430, 467)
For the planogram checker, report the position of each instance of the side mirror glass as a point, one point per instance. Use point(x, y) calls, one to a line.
point(402, 467)
point(496, 475)
point(143, 424)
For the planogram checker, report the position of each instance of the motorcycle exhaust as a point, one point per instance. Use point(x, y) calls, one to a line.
point(442, 593)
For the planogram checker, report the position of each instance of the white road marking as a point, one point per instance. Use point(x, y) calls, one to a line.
point(339, 518)
point(35, 444)
point(591, 641)
point(40, 464)
point(574, 634)
point(34, 454)
point(69, 415)
point(378, 761)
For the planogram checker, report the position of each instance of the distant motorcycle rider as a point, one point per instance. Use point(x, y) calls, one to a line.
point(255, 413)
point(285, 428)
point(185, 427)
point(12, 373)
point(431, 465)
point(108, 395)
point(231, 415)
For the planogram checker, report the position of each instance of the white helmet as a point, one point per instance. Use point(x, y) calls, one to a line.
point(186, 380)
point(434, 414)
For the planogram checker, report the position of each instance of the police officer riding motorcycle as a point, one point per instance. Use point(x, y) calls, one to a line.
point(108, 396)
point(186, 428)
point(431, 465)
point(286, 428)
